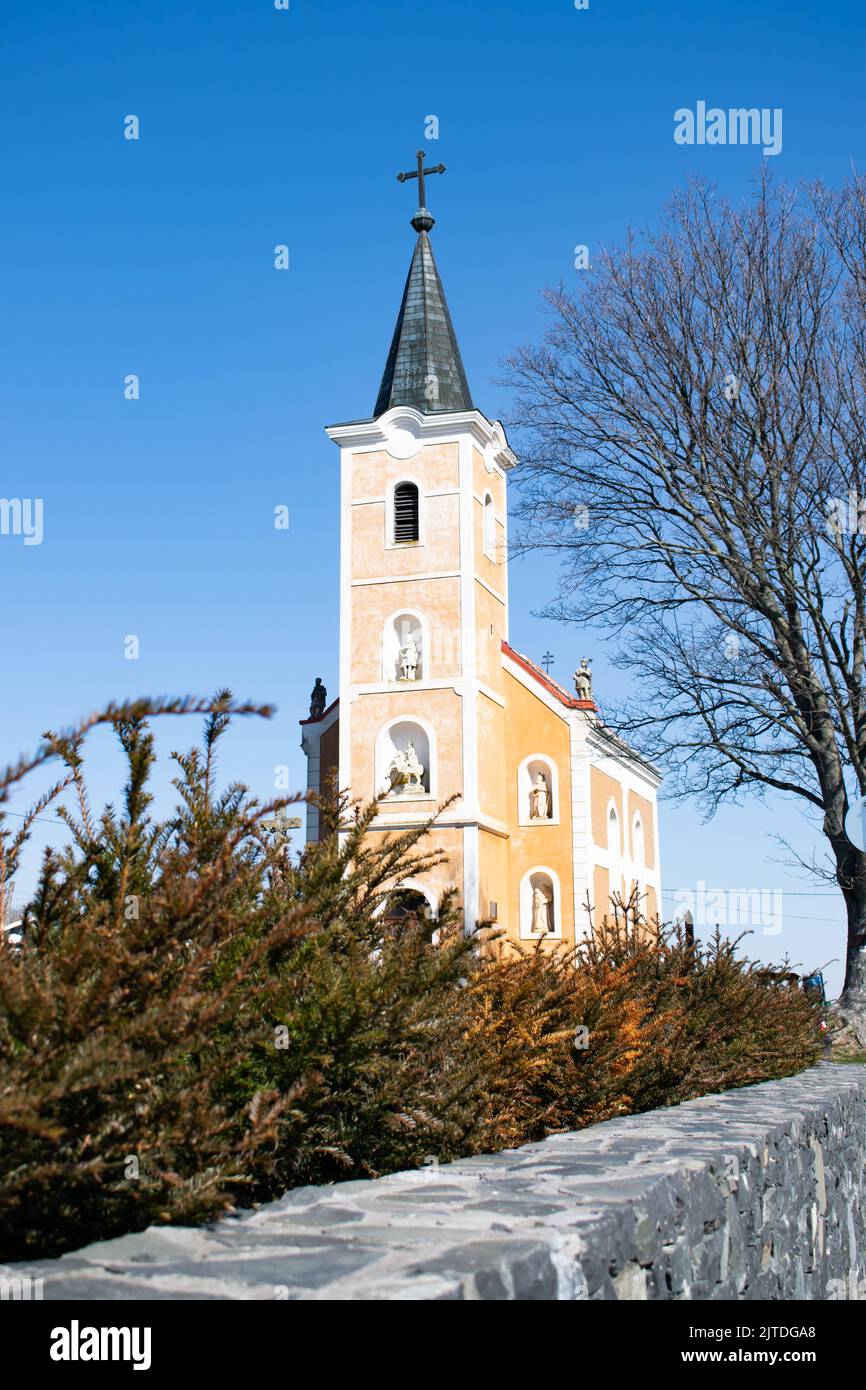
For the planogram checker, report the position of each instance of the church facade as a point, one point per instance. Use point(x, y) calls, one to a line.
point(551, 812)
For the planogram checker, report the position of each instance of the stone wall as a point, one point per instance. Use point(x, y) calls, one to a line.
point(756, 1193)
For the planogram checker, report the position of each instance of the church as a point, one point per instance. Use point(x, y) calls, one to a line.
point(552, 812)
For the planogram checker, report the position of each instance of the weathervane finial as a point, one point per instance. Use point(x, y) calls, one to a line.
point(422, 221)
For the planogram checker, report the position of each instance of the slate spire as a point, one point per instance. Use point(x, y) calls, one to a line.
point(424, 368)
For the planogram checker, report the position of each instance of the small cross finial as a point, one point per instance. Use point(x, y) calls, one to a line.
point(422, 221)
point(547, 661)
point(280, 823)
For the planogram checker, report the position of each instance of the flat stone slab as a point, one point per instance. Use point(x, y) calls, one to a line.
point(754, 1193)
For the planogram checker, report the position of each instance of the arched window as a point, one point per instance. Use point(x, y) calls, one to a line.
point(639, 860)
point(540, 905)
point(489, 527)
point(614, 850)
point(638, 851)
point(405, 513)
point(404, 758)
point(537, 791)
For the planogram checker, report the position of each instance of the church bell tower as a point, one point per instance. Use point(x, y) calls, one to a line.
point(423, 595)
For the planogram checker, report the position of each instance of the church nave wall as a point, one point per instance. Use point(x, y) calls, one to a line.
point(604, 789)
point(537, 736)
point(600, 893)
point(640, 806)
point(624, 839)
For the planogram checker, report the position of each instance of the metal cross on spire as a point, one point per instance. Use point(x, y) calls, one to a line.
point(422, 221)
point(420, 173)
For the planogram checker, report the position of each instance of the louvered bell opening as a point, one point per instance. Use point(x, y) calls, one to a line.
point(405, 512)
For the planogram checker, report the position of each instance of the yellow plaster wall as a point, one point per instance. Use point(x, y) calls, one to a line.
point(438, 600)
point(448, 874)
point(601, 894)
point(640, 804)
point(534, 728)
point(435, 464)
point(493, 876)
point(602, 790)
point(492, 772)
point(438, 550)
point(489, 613)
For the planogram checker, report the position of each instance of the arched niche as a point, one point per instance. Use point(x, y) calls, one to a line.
point(530, 791)
point(404, 647)
point(405, 753)
point(540, 905)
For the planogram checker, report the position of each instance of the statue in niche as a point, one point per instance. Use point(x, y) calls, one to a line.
point(541, 901)
point(318, 699)
point(583, 680)
point(409, 659)
point(539, 798)
point(406, 770)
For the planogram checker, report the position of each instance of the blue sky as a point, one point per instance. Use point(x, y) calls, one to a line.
point(155, 257)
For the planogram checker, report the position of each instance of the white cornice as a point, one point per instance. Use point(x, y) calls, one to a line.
point(402, 430)
point(605, 744)
point(454, 821)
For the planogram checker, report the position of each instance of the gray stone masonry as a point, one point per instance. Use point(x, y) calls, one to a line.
point(758, 1193)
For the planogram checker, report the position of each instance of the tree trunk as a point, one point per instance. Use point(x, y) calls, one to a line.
point(851, 873)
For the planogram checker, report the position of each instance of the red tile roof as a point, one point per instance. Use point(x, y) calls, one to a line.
point(553, 687)
point(323, 715)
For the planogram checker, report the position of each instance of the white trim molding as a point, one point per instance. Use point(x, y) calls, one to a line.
point(311, 744)
point(402, 430)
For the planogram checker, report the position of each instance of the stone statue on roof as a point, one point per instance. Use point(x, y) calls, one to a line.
point(583, 680)
point(318, 699)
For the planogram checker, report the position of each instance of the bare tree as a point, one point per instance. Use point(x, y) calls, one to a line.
point(693, 429)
